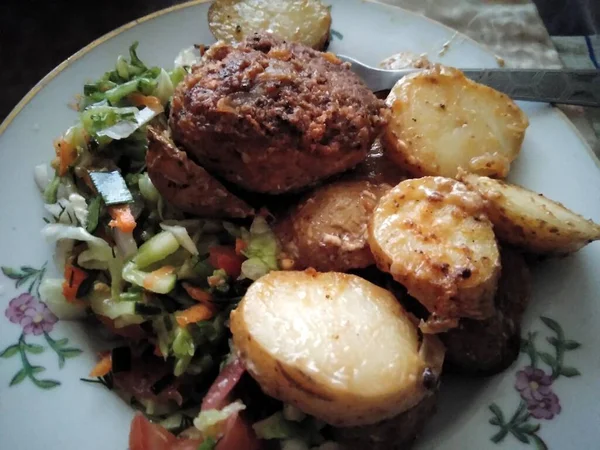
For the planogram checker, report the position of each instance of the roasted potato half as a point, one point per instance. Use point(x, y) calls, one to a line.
point(335, 346)
point(486, 347)
point(432, 236)
point(328, 229)
point(531, 221)
point(185, 184)
point(441, 121)
point(303, 21)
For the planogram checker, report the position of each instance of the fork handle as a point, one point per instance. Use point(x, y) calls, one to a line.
point(574, 87)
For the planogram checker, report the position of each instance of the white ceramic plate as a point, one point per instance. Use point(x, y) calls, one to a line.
point(47, 406)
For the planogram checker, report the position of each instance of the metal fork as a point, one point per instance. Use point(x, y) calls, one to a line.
point(569, 87)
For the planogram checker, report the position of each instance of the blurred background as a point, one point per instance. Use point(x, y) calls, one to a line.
point(37, 35)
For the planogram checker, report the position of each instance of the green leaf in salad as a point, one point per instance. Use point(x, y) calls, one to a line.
point(261, 250)
point(51, 191)
point(183, 350)
point(208, 444)
point(135, 60)
point(93, 214)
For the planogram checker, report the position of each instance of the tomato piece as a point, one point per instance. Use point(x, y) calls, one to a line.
point(238, 434)
point(186, 444)
point(217, 396)
point(145, 435)
point(225, 258)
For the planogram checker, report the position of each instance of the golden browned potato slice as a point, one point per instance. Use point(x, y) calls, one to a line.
point(303, 21)
point(328, 229)
point(531, 221)
point(441, 121)
point(486, 347)
point(432, 236)
point(187, 185)
point(335, 346)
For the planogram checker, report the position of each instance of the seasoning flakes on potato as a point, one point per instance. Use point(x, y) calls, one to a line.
point(335, 346)
point(531, 221)
point(432, 236)
point(328, 229)
point(441, 121)
point(303, 21)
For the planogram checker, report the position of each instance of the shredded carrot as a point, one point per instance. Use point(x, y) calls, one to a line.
point(122, 218)
point(157, 351)
point(103, 367)
point(74, 276)
point(194, 314)
point(151, 279)
point(240, 246)
point(198, 294)
point(146, 100)
point(66, 154)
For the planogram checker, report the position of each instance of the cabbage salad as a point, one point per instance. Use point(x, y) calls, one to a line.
point(161, 280)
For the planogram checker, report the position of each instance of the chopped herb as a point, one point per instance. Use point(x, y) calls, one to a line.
point(51, 191)
point(93, 214)
point(208, 444)
point(107, 381)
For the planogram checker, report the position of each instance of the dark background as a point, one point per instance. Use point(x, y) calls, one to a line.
point(36, 35)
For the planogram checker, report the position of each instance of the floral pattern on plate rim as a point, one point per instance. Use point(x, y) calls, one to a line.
point(534, 385)
point(35, 319)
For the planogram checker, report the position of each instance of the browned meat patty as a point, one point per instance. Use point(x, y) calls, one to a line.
point(328, 229)
point(185, 184)
point(272, 116)
point(397, 433)
point(486, 347)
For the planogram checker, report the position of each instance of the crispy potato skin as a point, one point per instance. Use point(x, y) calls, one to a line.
point(274, 117)
point(432, 236)
point(530, 221)
point(325, 373)
point(486, 347)
point(328, 229)
point(186, 185)
point(305, 21)
point(441, 121)
point(397, 433)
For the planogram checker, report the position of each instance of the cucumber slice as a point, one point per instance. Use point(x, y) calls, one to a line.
point(157, 248)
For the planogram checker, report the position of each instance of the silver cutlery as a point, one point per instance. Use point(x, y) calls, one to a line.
point(570, 87)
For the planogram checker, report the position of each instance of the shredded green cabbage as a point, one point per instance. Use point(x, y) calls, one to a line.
point(211, 422)
point(261, 250)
